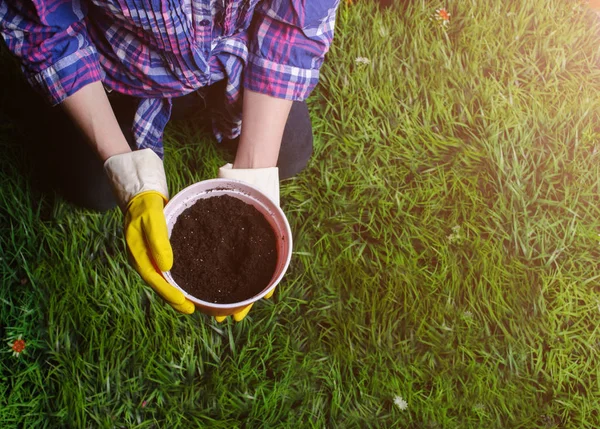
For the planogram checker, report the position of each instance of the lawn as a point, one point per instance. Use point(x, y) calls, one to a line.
point(446, 263)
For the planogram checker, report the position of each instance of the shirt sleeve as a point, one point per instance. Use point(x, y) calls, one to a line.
point(288, 42)
point(50, 40)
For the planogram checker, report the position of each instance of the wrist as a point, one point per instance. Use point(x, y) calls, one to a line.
point(249, 157)
point(108, 150)
point(135, 172)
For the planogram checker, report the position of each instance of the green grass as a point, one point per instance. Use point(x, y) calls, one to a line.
point(446, 250)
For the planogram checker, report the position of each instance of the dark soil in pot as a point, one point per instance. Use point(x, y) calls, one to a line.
point(224, 250)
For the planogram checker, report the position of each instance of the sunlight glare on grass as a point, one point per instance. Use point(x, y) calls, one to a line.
point(445, 268)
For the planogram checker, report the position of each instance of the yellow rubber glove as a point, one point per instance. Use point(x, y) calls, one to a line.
point(239, 316)
point(140, 185)
point(265, 179)
point(147, 239)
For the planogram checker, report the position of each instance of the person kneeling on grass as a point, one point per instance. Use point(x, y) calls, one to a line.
point(252, 61)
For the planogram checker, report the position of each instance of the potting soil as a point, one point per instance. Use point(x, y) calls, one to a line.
point(224, 250)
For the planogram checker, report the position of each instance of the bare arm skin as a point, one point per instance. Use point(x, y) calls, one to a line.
point(264, 118)
point(263, 121)
point(91, 111)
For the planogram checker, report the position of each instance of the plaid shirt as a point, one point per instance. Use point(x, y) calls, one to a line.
point(156, 50)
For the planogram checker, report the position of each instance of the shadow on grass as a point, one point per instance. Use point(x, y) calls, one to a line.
point(24, 160)
point(40, 144)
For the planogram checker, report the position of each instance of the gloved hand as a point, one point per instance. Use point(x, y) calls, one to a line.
point(140, 185)
point(265, 179)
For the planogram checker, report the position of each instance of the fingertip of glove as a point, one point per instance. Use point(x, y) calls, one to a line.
point(162, 252)
point(164, 260)
point(240, 315)
point(187, 307)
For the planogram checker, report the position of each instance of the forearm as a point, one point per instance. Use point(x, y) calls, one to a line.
point(91, 111)
point(263, 122)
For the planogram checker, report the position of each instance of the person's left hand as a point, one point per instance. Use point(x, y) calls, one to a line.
point(265, 179)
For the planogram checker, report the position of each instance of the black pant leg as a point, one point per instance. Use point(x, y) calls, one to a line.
point(297, 142)
point(71, 166)
point(73, 169)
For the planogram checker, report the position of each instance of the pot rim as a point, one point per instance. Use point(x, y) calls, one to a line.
point(182, 200)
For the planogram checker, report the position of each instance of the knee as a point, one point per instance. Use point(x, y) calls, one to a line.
point(297, 142)
point(92, 193)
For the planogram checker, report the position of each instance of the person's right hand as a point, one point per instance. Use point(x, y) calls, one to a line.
point(265, 179)
point(140, 185)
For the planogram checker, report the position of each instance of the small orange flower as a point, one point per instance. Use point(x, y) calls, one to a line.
point(442, 15)
point(18, 346)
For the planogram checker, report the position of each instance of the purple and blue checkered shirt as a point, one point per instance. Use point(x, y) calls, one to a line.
point(159, 49)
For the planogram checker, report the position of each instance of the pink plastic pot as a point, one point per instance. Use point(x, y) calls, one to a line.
point(250, 195)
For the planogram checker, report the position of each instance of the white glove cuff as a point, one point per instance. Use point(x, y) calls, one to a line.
point(136, 172)
point(265, 179)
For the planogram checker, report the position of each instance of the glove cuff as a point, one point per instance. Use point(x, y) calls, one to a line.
point(135, 172)
point(265, 179)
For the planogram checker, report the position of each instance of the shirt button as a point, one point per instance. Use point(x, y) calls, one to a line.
point(204, 23)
